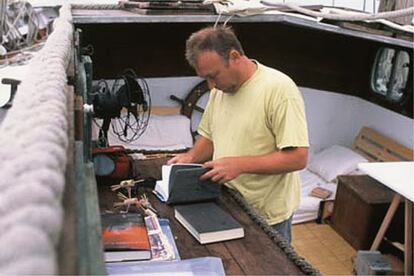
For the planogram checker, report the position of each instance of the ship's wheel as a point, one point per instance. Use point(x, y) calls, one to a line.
point(193, 105)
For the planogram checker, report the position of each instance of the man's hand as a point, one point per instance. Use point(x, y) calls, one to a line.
point(201, 152)
point(181, 158)
point(283, 161)
point(222, 170)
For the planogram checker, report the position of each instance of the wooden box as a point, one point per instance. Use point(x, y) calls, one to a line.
point(360, 206)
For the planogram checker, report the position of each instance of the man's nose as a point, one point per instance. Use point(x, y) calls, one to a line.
point(211, 84)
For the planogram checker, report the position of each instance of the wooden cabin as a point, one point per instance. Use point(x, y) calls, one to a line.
point(356, 80)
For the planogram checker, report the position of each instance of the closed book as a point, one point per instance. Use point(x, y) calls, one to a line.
point(125, 237)
point(208, 223)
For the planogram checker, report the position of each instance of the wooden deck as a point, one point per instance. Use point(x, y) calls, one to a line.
point(255, 254)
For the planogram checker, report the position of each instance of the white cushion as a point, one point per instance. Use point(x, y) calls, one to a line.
point(334, 161)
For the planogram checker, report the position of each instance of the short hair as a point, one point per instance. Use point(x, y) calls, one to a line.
point(218, 39)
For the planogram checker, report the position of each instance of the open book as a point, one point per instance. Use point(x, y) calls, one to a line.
point(181, 183)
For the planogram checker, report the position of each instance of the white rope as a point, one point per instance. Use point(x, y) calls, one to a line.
point(34, 140)
point(350, 17)
point(248, 8)
point(97, 6)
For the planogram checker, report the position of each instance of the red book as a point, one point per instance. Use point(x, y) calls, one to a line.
point(125, 237)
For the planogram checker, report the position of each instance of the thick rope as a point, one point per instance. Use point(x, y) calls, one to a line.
point(301, 263)
point(348, 17)
point(95, 7)
point(34, 140)
point(249, 8)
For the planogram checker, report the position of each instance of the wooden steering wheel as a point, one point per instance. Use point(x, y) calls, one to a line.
point(190, 104)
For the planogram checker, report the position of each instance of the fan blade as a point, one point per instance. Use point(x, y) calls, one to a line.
point(126, 125)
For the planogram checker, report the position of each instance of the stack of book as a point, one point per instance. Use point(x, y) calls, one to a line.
point(131, 237)
point(203, 218)
point(135, 245)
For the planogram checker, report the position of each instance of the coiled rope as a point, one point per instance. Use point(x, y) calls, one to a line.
point(301, 263)
point(34, 141)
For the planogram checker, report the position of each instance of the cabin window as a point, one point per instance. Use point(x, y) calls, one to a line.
point(390, 73)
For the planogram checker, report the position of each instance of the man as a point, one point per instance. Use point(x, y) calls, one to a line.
point(253, 128)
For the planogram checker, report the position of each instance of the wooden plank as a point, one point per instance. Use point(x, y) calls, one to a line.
point(165, 110)
point(94, 232)
point(246, 253)
point(254, 254)
point(408, 239)
point(397, 245)
point(231, 264)
point(375, 152)
point(364, 27)
point(67, 249)
point(387, 143)
point(386, 222)
point(90, 253)
point(380, 147)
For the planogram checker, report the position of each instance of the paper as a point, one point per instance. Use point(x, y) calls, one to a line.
point(162, 187)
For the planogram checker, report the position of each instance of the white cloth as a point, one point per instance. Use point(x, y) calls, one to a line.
point(168, 132)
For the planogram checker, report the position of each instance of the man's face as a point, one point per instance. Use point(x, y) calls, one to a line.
point(218, 73)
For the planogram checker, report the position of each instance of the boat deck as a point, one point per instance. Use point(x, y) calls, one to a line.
point(325, 249)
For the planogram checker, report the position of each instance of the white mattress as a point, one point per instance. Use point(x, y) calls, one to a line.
point(309, 205)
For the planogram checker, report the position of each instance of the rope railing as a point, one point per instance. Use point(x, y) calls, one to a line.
point(34, 141)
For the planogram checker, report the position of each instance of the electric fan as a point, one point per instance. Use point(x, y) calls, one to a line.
point(126, 107)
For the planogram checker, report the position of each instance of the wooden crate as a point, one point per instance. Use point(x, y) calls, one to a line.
point(360, 206)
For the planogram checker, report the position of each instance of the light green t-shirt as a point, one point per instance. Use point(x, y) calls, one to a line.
point(266, 114)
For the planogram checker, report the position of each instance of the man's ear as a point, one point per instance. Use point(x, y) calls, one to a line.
point(234, 55)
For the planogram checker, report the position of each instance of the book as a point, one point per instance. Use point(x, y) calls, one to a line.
point(163, 247)
point(208, 223)
point(166, 229)
point(320, 193)
point(181, 184)
point(125, 237)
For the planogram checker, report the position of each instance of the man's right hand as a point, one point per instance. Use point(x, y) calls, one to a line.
point(181, 158)
point(201, 152)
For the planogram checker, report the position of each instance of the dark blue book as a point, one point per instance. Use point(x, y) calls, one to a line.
point(208, 223)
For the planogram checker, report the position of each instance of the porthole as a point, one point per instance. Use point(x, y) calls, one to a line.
point(390, 74)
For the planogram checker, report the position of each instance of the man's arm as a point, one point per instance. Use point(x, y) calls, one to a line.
point(201, 152)
point(283, 161)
